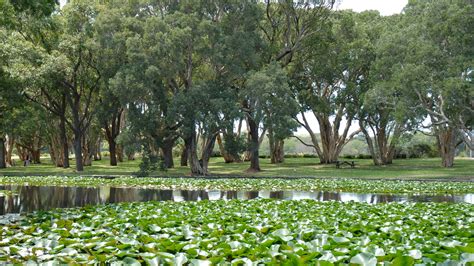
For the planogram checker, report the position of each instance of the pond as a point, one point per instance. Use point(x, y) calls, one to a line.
point(26, 199)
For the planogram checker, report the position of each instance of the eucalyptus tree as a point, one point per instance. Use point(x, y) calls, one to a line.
point(385, 112)
point(438, 70)
point(269, 101)
point(227, 52)
point(8, 104)
point(79, 77)
point(21, 21)
point(328, 80)
point(285, 27)
point(111, 31)
point(152, 76)
point(59, 66)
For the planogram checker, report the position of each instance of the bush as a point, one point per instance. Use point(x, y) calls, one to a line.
point(301, 155)
point(216, 154)
point(421, 150)
point(364, 156)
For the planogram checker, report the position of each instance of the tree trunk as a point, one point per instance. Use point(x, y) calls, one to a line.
point(370, 144)
point(97, 153)
point(184, 156)
point(194, 163)
point(64, 141)
point(112, 152)
point(2, 153)
point(332, 141)
point(119, 153)
point(224, 154)
point(447, 145)
point(88, 147)
point(78, 151)
point(10, 142)
point(22, 152)
point(277, 153)
point(207, 152)
point(167, 154)
point(328, 141)
point(254, 146)
point(36, 156)
point(381, 149)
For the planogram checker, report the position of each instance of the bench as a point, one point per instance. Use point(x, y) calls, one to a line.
point(341, 163)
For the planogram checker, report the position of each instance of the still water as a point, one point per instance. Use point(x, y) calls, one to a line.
point(32, 198)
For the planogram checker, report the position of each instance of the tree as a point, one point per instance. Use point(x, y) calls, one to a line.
point(269, 101)
point(26, 20)
point(438, 71)
point(62, 70)
point(80, 78)
point(111, 35)
point(331, 92)
point(286, 26)
point(385, 112)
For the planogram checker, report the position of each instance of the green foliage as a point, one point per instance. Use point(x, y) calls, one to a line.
point(418, 146)
point(252, 231)
point(249, 184)
point(235, 145)
point(271, 100)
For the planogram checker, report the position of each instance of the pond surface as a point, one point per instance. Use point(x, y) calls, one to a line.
point(33, 198)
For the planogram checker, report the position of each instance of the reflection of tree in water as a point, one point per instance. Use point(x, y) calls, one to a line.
point(2, 205)
point(30, 198)
point(153, 194)
point(85, 196)
point(194, 195)
point(276, 194)
point(229, 194)
point(326, 196)
point(33, 198)
point(123, 195)
point(383, 198)
point(431, 198)
point(251, 194)
point(7, 201)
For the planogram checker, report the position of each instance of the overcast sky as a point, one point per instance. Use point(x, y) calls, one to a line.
point(385, 7)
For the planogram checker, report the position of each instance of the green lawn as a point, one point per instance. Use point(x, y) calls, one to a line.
point(308, 167)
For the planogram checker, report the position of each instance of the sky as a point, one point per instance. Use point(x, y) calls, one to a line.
point(385, 7)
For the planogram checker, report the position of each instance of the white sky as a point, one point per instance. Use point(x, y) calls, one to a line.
point(385, 7)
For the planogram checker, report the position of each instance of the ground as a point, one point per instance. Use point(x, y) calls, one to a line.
point(308, 167)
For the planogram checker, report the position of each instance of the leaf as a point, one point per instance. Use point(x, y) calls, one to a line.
point(131, 261)
point(196, 262)
point(180, 259)
point(283, 234)
point(155, 228)
point(416, 254)
point(365, 259)
point(402, 261)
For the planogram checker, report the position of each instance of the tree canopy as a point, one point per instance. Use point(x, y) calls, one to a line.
point(166, 78)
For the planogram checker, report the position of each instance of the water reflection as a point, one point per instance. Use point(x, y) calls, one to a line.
point(33, 198)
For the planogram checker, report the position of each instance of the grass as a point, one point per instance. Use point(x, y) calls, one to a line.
point(292, 167)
